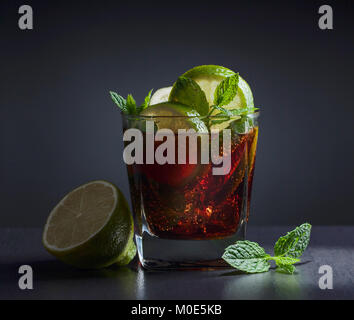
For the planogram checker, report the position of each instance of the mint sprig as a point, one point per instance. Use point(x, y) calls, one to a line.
point(128, 105)
point(226, 90)
point(224, 93)
point(249, 257)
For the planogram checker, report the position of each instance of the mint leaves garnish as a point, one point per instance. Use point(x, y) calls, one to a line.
point(188, 92)
point(226, 91)
point(128, 106)
point(249, 257)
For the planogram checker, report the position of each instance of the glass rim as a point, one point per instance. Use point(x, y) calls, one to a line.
point(253, 115)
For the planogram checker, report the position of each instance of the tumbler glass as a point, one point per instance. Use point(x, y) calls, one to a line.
point(186, 214)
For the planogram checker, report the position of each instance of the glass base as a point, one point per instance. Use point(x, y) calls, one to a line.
point(157, 253)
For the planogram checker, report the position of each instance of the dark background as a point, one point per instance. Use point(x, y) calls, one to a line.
point(60, 129)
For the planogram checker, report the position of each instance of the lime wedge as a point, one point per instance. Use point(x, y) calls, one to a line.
point(161, 95)
point(91, 227)
point(209, 76)
point(174, 116)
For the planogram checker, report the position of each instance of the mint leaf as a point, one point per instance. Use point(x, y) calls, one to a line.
point(128, 106)
point(222, 116)
point(289, 269)
point(294, 243)
point(119, 101)
point(131, 104)
point(285, 264)
point(224, 111)
point(146, 102)
point(212, 122)
point(284, 260)
point(242, 125)
point(188, 92)
point(247, 256)
point(242, 111)
point(231, 112)
point(226, 90)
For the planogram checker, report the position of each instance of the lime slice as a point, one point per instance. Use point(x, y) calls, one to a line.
point(91, 227)
point(209, 76)
point(252, 149)
point(174, 116)
point(161, 95)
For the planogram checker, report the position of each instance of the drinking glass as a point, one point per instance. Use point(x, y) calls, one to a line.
point(186, 215)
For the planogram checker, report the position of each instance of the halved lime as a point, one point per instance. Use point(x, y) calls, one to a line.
point(161, 95)
point(209, 76)
point(91, 227)
point(174, 116)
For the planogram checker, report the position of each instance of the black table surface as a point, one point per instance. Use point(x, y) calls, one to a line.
point(333, 246)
